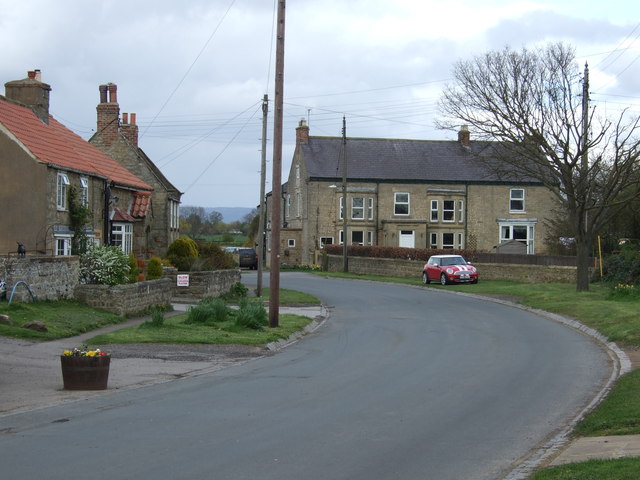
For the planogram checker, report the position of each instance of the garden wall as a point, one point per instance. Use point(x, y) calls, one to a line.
point(488, 271)
point(126, 299)
point(201, 284)
point(48, 277)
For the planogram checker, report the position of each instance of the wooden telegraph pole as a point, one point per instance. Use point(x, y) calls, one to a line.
point(263, 171)
point(276, 179)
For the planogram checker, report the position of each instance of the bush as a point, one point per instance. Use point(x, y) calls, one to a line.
point(252, 315)
point(237, 292)
point(182, 253)
point(157, 318)
point(623, 268)
point(212, 257)
point(397, 252)
point(208, 311)
point(104, 265)
point(133, 269)
point(154, 268)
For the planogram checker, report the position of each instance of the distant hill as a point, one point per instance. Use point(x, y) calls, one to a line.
point(230, 214)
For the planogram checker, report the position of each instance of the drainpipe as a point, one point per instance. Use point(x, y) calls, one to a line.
point(107, 201)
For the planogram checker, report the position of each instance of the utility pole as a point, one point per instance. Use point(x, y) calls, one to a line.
point(345, 248)
point(276, 197)
point(585, 143)
point(263, 172)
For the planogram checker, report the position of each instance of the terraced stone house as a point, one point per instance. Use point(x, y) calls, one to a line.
point(405, 193)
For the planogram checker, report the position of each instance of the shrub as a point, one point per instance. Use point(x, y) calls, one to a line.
point(208, 311)
point(212, 257)
point(252, 315)
point(133, 269)
point(182, 253)
point(623, 268)
point(154, 268)
point(237, 292)
point(397, 252)
point(157, 318)
point(104, 265)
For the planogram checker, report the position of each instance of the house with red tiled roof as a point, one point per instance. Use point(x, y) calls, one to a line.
point(41, 161)
point(117, 136)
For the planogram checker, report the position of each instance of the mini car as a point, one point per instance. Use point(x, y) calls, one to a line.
point(449, 269)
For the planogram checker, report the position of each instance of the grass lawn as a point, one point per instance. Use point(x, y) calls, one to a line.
point(619, 469)
point(175, 330)
point(65, 318)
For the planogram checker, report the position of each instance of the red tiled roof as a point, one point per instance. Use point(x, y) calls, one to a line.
point(121, 216)
point(56, 145)
point(141, 204)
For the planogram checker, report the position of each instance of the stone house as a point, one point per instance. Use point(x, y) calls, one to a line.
point(41, 161)
point(118, 137)
point(404, 193)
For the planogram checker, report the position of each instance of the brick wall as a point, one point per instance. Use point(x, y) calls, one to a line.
point(49, 278)
point(487, 271)
point(126, 299)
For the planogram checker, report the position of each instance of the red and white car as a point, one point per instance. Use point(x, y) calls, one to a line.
point(449, 269)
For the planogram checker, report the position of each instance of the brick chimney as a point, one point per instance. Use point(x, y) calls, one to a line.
point(129, 129)
point(302, 133)
point(108, 113)
point(464, 137)
point(31, 92)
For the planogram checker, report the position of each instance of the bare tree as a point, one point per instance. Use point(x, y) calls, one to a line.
point(535, 104)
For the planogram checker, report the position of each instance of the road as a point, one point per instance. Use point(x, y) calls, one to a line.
point(401, 383)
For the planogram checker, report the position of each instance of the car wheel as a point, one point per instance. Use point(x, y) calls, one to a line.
point(443, 279)
point(425, 278)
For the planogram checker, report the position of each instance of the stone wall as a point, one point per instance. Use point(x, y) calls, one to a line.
point(201, 284)
point(487, 271)
point(49, 278)
point(126, 299)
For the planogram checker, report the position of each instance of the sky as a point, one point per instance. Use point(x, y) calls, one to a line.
point(195, 72)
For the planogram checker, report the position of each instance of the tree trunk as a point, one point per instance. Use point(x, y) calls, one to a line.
point(583, 262)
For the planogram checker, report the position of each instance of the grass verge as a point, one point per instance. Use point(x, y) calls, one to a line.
point(619, 469)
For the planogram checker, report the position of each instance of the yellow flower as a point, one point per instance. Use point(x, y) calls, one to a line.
point(66, 353)
point(91, 353)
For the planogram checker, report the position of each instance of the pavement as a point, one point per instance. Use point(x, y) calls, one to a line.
point(31, 379)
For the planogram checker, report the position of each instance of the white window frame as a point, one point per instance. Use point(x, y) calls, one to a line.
point(341, 208)
point(506, 228)
point(61, 192)
point(287, 208)
point(515, 199)
point(448, 211)
point(298, 205)
point(359, 233)
point(370, 208)
point(434, 211)
point(397, 203)
point(323, 241)
point(460, 211)
point(62, 245)
point(291, 242)
point(357, 211)
point(369, 237)
point(123, 231)
point(433, 239)
point(174, 214)
point(460, 241)
point(84, 191)
point(448, 245)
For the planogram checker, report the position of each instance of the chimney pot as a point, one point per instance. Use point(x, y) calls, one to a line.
point(113, 93)
point(464, 137)
point(133, 119)
point(125, 118)
point(38, 75)
point(31, 74)
point(103, 93)
point(302, 133)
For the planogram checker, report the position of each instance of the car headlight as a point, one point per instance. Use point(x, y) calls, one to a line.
point(450, 271)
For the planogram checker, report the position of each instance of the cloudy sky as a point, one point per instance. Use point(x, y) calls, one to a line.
point(195, 71)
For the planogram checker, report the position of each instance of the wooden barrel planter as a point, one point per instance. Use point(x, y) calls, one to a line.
point(85, 373)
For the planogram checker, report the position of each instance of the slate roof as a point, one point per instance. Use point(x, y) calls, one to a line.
point(57, 146)
point(399, 160)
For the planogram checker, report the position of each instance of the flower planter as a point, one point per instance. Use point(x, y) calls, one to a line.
point(85, 373)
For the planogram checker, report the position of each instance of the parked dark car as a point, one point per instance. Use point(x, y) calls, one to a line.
point(247, 257)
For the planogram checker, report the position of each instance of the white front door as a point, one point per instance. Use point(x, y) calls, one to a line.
point(407, 239)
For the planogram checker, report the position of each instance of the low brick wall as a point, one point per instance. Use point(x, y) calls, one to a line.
point(202, 284)
point(49, 278)
point(488, 271)
point(126, 299)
